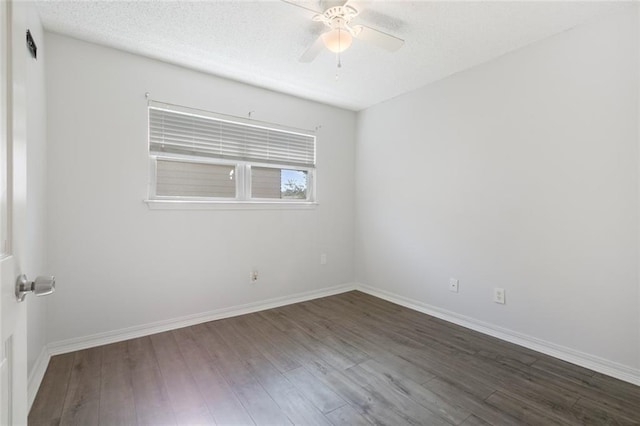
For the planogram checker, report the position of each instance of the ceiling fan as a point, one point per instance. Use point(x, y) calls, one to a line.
point(341, 31)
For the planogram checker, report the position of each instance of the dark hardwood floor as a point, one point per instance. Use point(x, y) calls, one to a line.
point(350, 359)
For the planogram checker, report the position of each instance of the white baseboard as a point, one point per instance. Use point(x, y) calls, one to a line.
point(99, 339)
point(592, 362)
point(36, 375)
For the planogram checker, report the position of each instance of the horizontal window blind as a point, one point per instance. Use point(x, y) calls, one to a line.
point(265, 182)
point(186, 179)
point(196, 134)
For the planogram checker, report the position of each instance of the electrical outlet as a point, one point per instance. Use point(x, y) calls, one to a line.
point(323, 259)
point(498, 295)
point(253, 276)
point(453, 285)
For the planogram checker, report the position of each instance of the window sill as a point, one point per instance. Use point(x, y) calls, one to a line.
point(228, 205)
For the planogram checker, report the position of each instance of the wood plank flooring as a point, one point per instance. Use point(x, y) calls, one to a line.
point(350, 359)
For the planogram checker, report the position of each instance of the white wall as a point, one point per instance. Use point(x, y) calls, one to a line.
point(119, 264)
point(521, 173)
point(35, 262)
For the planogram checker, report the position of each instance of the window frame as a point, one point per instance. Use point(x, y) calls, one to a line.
point(153, 158)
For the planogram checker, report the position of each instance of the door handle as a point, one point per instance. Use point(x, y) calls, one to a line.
point(40, 287)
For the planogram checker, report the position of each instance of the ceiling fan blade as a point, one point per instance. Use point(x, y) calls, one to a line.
point(320, 18)
point(313, 51)
point(311, 12)
point(378, 38)
point(355, 9)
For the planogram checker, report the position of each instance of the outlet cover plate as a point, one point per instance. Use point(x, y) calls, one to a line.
point(498, 295)
point(453, 285)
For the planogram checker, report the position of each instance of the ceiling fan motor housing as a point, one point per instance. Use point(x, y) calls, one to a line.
point(338, 16)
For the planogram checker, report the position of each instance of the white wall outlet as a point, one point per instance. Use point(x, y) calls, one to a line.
point(498, 295)
point(253, 276)
point(323, 259)
point(453, 285)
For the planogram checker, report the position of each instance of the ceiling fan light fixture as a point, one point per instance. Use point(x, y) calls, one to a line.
point(337, 40)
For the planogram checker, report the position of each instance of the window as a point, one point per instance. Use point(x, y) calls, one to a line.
point(201, 156)
point(286, 184)
point(193, 179)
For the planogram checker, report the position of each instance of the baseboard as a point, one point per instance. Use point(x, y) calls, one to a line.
point(36, 375)
point(99, 339)
point(592, 362)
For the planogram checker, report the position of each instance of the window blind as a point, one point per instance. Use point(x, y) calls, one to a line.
point(195, 133)
point(186, 179)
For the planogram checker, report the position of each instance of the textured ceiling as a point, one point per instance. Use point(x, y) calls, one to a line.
point(259, 42)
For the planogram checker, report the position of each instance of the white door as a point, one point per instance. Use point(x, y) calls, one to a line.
point(13, 321)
